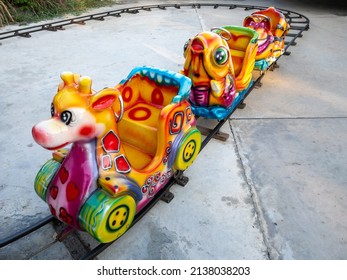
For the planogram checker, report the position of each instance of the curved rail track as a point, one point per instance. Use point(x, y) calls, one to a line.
point(298, 24)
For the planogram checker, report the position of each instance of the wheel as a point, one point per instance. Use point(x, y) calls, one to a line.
point(44, 177)
point(107, 218)
point(188, 149)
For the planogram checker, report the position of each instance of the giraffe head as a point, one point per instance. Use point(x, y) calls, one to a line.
point(77, 113)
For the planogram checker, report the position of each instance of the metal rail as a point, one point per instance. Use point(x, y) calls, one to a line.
point(24, 232)
point(298, 24)
point(296, 20)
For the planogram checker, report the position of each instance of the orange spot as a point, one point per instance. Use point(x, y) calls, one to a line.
point(140, 114)
point(127, 94)
point(157, 97)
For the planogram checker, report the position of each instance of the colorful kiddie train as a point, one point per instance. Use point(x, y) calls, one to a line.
point(126, 142)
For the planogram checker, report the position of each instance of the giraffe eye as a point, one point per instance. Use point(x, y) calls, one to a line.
point(66, 117)
point(52, 110)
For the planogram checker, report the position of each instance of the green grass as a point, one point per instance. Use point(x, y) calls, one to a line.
point(28, 11)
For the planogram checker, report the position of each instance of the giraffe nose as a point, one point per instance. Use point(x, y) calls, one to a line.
point(38, 135)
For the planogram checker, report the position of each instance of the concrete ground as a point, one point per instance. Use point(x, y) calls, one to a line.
point(276, 189)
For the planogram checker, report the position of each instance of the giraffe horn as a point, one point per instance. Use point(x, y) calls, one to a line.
point(85, 85)
point(68, 78)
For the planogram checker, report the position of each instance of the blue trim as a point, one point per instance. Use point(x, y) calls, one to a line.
point(219, 112)
point(165, 78)
point(261, 65)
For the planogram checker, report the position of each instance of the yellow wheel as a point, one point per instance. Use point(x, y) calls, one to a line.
point(188, 149)
point(118, 217)
point(107, 218)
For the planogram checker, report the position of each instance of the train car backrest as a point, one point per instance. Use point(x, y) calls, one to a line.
point(144, 90)
point(243, 46)
point(279, 25)
point(144, 97)
point(240, 41)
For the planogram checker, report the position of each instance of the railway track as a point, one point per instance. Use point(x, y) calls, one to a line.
point(298, 24)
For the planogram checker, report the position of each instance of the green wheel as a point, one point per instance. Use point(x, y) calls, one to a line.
point(44, 177)
point(188, 149)
point(107, 218)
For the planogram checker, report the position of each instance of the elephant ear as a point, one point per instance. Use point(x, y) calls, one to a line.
point(247, 21)
point(103, 99)
point(267, 23)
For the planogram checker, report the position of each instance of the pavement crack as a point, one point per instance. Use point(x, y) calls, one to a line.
point(201, 21)
point(271, 252)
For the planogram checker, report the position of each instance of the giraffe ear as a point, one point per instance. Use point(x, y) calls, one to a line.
point(104, 99)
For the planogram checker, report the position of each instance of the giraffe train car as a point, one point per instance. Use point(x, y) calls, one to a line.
point(126, 143)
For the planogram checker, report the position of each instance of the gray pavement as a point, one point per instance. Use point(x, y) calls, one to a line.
point(276, 189)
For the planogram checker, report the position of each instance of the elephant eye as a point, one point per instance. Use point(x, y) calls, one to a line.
point(66, 117)
point(221, 55)
point(185, 47)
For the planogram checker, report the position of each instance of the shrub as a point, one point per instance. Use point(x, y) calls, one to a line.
point(5, 13)
point(25, 11)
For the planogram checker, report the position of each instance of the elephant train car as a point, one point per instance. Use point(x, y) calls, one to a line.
point(128, 141)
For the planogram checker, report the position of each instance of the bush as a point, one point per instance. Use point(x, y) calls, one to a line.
point(5, 13)
point(25, 11)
